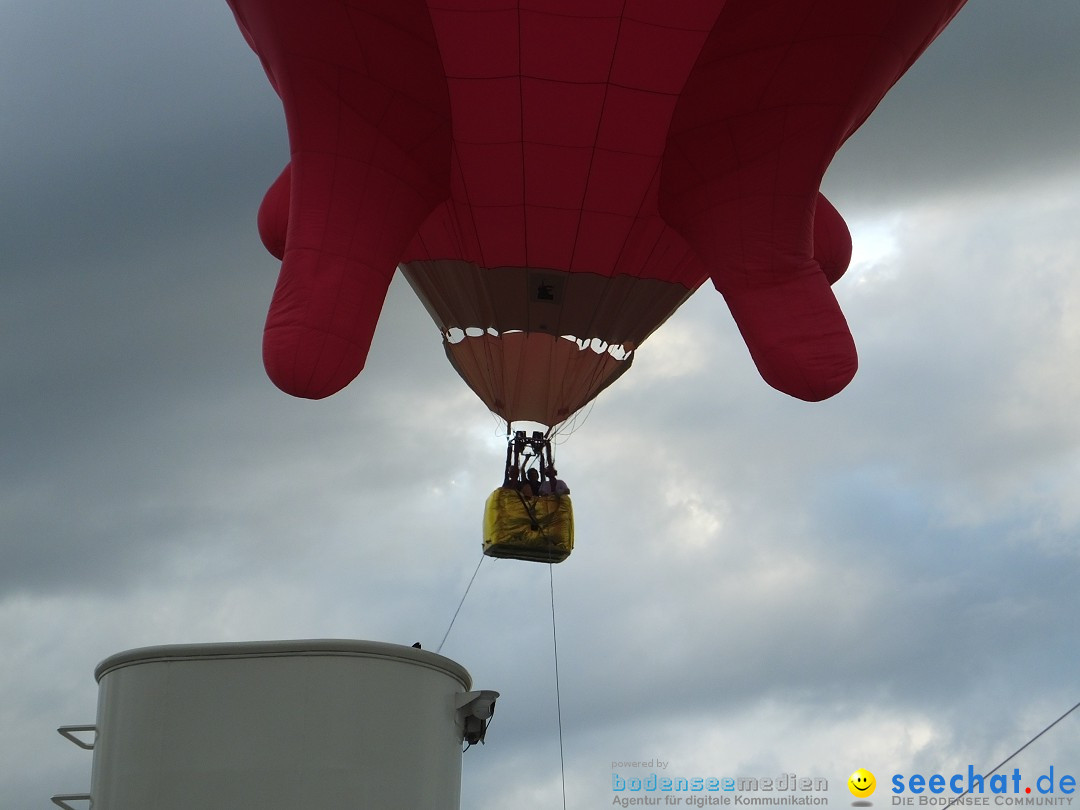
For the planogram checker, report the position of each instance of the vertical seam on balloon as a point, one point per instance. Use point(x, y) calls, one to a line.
point(294, 195)
point(638, 217)
point(521, 125)
point(609, 288)
point(319, 257)
point(596, 136)
point(454, 215)
point(334, 184)
point(487, 368)
point(468, 206)
point(774, 180)
point(584, 197)
point(452, 210)
point(364, 183)
point(365, 271)
point(491, 349)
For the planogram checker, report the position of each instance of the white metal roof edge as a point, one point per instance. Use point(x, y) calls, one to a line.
point(283, 648)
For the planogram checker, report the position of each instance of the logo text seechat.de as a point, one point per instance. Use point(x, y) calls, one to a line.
point(975, 784)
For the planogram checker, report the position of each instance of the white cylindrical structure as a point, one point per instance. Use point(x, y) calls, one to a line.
point(280, 725)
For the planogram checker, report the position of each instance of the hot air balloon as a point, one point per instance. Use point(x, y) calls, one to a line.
point(555, 177)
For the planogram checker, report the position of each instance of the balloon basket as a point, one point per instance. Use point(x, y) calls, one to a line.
point(532, 529)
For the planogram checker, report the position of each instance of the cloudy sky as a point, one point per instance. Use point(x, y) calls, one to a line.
point(885, 580)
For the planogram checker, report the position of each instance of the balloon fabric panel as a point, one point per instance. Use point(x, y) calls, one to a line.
point(638, 142)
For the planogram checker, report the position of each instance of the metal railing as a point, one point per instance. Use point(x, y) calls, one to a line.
point(71, 733)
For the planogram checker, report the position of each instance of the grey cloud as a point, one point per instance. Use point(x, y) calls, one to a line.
point(991, 104)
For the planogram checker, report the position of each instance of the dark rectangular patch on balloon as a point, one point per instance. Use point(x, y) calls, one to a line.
point(545, 288)
point(545, 300)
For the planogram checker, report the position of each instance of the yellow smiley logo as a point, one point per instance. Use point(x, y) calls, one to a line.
point(861, 783)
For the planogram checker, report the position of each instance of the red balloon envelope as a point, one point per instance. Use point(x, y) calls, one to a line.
point(555, 177)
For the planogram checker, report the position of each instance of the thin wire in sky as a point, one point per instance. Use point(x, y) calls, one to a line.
point(1014, 753)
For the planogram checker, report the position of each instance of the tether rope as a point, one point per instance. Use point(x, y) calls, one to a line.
point(462, 602)
point(1014, 753)
point(558, 696)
